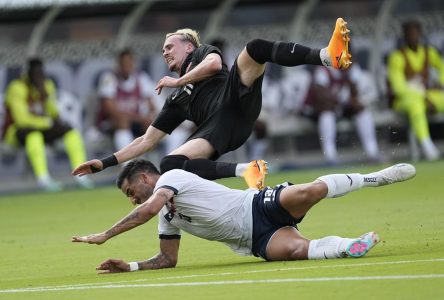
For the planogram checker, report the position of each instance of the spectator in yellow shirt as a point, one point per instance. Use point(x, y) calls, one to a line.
point(414, 90)
point(33, 121)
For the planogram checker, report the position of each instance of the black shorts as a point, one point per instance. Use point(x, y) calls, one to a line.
point(268, 217)
point(231, 125)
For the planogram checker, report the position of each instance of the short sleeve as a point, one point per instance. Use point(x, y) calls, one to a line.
point(355, 74)
point(321, 77)
point(176, 180)
point(146, 85)
point(201, 52)
point(107, 85)
point(169, 118)
point(166, 230)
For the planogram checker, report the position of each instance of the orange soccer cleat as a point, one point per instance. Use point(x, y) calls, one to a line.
point(338, 46)
point(255, 173)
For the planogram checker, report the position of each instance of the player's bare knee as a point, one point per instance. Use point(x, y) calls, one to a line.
point(249, 70)
point(317, 190)
point(299, 250)
point(309, 192)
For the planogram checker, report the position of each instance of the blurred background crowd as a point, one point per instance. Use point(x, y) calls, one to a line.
point(77, 81)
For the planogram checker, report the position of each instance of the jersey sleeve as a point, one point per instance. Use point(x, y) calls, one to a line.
point(437, 62)
point(321, 77)
point(395, 73)
point(166, 230)
point(175, 180)
point(169, 118)
point(146, 85)
point(203, 51)
point(17, 102)
point(107, 85)
point(51, 102)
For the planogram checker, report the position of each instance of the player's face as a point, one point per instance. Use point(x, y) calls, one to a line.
point(175, 51)
point(37, 76)
point(137, 190)
point(412, 36)
point(126, 63)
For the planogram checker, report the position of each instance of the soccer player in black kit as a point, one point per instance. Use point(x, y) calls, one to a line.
point(223, 104)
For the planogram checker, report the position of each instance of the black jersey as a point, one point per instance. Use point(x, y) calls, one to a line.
point(195, 102)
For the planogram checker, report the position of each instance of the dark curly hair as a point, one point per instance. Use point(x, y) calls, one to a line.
point(134, 168)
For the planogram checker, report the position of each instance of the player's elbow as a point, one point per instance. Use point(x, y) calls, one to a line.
point(215, 64)
point(151, 211)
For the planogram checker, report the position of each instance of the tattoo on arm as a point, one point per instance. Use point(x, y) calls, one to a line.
point(132, 220)
point(141, 214)
point(159, 261)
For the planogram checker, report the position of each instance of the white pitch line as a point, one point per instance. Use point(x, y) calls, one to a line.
point(303, 268)
point(236, 273)
point(257, 271)
point(228, 282)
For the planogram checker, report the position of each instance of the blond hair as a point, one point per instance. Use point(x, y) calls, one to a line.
point(187, 34)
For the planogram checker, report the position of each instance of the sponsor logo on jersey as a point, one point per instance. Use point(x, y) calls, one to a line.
point(369, 179)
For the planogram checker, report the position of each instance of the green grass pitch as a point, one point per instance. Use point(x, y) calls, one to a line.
point(38, 260)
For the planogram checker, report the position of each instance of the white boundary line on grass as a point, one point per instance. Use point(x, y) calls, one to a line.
point(227, 282)
point(117, 283)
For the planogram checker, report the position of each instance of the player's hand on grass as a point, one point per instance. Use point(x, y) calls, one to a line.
point(113, 266)
point(97, 238)
point(91, 166)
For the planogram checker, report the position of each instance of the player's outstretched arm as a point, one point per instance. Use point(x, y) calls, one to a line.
point(140, 215)
point(139, 146)
point(167, 258)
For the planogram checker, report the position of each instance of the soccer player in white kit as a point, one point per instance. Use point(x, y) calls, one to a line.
point(251, 222)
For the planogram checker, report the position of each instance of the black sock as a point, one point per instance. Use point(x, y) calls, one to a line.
point(282, 53)
point(204, 168)
point(209, 169)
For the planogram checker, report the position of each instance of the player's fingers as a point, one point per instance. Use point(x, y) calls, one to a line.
point(104, 265)
point(114, 261)
point(80, 170)
point(104, 272)
point(75, 171)
point(77, 239)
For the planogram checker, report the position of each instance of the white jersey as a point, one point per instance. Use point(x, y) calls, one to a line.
point(109, 84)
point(208, 210)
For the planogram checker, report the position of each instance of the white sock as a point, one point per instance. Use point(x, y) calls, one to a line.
point(429, 149)
point(44, 180)
point(341, 184)
point(122, 138)
point(327, 134)
point(325, 57)
point(328, 247)
point(366, 131)
point(240, 169)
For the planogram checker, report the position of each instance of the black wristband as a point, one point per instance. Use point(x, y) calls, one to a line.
point(109, 161)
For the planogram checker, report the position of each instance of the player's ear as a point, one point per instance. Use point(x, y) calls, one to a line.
point(190, 48)
point(144, 177)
